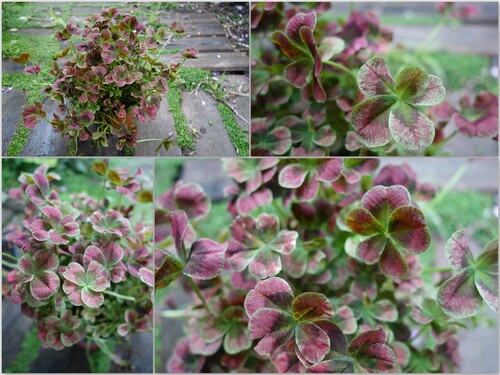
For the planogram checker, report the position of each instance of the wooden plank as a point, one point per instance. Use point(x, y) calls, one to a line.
point(216, 62)
point(204, 44)
point(189, 17)
point(201, 112)
point(12, 105)
point(158, 129)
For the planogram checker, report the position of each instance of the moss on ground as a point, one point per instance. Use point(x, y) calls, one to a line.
point(42, 49)
point(190, 78)
point(174, 97)
point(30, 349)
point(238, 138)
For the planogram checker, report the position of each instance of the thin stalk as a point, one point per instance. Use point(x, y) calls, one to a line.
point(149, 139)
point(174, 314)
point(120, 296)
point(428, 39)
point(437, 269)
point(8, 264)
point(9, 256)
point(446, 189)
point(341, 67)
point(89, 359)
point(199, 294)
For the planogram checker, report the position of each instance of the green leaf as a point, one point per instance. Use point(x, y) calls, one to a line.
point(168, 272)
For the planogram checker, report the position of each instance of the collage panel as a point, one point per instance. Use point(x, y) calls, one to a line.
point(125, 79)
point(374, 79)
point(267, 265)
point(77, 259)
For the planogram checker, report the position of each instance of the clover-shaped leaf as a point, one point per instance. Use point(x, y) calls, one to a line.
point(230, 325)
point(33, 114)
point(391, 108)
point(109, 257)
point(112, 223)
point(189, 197)
point(203, 261)
point(63, 331)
point(276, 317)
point(480, 118)
point(184, 360)
point(39, 270)
point(277, 141)
point(305, 176)
point(84, 287)
point(262, 244)
point(298, 43)
point(477, 279)
point(389, 226)
point(54, 227)
point(251, 171)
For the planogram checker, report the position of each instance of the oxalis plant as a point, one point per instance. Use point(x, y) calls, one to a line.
point(107, 79)
point(322, 87)
point(81, 266)
point(318, 271)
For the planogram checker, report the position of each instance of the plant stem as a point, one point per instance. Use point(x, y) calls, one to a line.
point(173, 314)
point(9, 256)
point(199, 294)
point(149, 139)
point(341, 67)
point(117, 295)
point(451, 183)
point(437, 269)
point(89, 359)
point(428, 39)
point(8, 264)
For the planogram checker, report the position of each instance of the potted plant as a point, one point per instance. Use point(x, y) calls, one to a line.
point(319, 270)
point(106, 79)
point(80, 266)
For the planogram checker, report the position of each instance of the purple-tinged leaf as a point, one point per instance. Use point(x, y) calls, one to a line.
point(247, 203)
point(266, 321)
point(384, 310)
point(411, 81)
point(458, 296)
point(237, 339)
point(324, 136)
point(292, 176)
point(183, 360)
point(52, 214)
point(330, 169)
point(408, 231)
point(486, 276)
point(309, 189)
point(146, 276)
point(312, 342)
point(179, 222)
point(298, 71)
point(344, 318)
point(392, 263)
point(478, 119)
point(272, 293)
point(374, 78)
point(288, 48)
point(361, 221)
point(97, 279)
point(330, 46)
point(410, 128)
point(278, 140)
point(91, 298)
point(168, 272)
point(370, 120)
point(206, 259)
point(402, 353)
point(44, 285)
point(370, 250)
point(311, 306)
point(76, 274)
point(284, 242)
point(381, 201)
point(432, 95)
point(458, 252)
point(266, 263)
point(298, 21)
